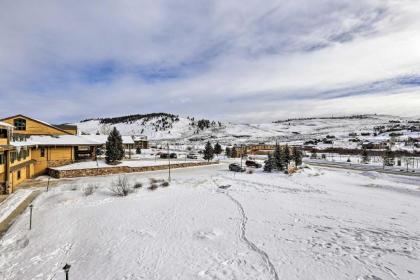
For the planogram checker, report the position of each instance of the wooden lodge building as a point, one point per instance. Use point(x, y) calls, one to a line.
point(29, 146)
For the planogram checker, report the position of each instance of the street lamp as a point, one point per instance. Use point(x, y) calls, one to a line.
point(30, 216)
point(66, 269)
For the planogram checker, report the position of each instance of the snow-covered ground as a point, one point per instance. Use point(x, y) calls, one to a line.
point(317, 224)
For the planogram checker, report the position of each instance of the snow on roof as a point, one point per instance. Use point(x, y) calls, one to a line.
point(62, 140)
point(3, 124)
point(101, 139)
point(68, 140)
point(139, 137)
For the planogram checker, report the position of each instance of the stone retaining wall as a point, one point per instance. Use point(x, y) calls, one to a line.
point(117, 169)
point(6, 223)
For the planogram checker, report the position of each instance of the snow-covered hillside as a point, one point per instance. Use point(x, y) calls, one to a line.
point(180, 128)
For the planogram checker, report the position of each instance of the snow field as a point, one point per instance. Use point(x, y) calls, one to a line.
point(317, 224)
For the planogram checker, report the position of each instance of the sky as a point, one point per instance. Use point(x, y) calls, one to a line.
point(237, 60)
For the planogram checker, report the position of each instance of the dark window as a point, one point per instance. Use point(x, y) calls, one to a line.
point(20, 124)
point(18, 175)
point(1, 158)
point(3, 133)
point(12, 157)
point(42, 152)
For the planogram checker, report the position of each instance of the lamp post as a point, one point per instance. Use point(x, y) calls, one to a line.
point(48, 183)
point(30, 216)
point(66, 269)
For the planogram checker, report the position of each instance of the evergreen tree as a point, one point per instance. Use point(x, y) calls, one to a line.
point(365, 156)
point(297, 156)
point(217, 149)
point(286, 155)
point(114, 147)
point(208, 152)
point(388, 158)
point(268, 166)
point(278, 158)
point(234, 153)
point(228, 152)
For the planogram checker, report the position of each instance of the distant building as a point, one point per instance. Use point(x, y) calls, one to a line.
point(140, 141)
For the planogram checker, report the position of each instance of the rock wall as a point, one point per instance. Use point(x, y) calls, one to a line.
point(117, 169)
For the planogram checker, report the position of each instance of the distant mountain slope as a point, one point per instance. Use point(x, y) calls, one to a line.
point(163, 126)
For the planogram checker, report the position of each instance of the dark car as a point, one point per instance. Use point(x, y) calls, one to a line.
point(251, 163)
point(164, 155)
point(173, 155)
point(236, 168)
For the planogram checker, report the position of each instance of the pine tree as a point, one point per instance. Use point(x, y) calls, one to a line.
point(234, 153)
point(268, 166)
point(217, 149)
point(278, 158)
point(228, 152)
point(365, 156)
point(286, 154)
point(388, 158)
point(297, 156)
point(114, 147)
point(208, 152)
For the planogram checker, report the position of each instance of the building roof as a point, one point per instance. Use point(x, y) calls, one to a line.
point(3, 124)
point(61, 140)
point(38, 121)
point(65, 126)
point(103, 138)
point(68, 140)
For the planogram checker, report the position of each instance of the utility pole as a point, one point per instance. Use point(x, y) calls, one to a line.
point(169, 164)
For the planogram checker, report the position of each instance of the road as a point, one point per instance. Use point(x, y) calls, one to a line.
point(363, 167)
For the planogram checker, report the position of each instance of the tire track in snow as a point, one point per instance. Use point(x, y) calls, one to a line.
point(251, 245)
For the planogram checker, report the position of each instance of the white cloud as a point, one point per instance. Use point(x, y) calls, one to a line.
point(227, 59)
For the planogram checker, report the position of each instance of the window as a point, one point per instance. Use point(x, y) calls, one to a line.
point(20, 124)
point(42, 152)
point(18, 175)
point(1, 158)
point(3, 133)
point(12, 157)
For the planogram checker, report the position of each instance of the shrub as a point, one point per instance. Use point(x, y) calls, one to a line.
point(138, 185)
point(89, 189)
point(164, 184)
point(121, 187)
point(153, 187)
point(155, 181)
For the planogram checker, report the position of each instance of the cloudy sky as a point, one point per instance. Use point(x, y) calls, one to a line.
point(239, 60)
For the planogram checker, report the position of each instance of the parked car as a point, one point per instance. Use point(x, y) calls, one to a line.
point(192, 156)
point(236, 167)
point(251, 163)
point(166, 155)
